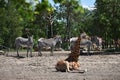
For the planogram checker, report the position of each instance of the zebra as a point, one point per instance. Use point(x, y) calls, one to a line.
point(42, 42)
point(24, 42)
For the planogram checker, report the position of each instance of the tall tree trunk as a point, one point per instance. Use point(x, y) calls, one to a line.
point(113, 24)
point(50, 28)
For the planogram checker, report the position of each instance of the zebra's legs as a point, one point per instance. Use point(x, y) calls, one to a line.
point(89, 48)
point(30, 52)
point(17, 51)
point(39, 51)
point(52, 49)
point(27, 51)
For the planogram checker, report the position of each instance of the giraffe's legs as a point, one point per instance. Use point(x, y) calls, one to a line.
point(67, 66)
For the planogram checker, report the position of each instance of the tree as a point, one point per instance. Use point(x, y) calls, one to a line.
point(69, 12)
point(9, 23)
point(44, 18)
point(13, 20)
point(108, 18)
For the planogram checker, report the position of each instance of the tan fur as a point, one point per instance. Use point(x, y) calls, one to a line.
point(67, 66)
point(70, 63)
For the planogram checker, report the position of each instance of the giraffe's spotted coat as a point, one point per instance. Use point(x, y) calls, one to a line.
point(71, 63)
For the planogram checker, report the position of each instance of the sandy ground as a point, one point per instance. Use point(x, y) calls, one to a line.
point(99, 67)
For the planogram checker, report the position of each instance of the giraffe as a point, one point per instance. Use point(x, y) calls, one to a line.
point(71, 63)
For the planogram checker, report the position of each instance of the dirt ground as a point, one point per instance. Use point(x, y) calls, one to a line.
point(99, 67)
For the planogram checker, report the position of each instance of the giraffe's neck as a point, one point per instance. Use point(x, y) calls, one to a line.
point(76, 48)
point(74, 55)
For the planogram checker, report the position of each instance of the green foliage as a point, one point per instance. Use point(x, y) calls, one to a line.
point(108, 18)
point(13, 19)
point(10, 25)
point(65, 19)
point(66, 13)
point(42, 20)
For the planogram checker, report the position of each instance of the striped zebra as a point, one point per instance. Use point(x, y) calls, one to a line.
point(42, 42)
point(24, 42)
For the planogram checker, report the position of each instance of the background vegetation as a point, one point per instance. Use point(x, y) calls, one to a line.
point(65, 18)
